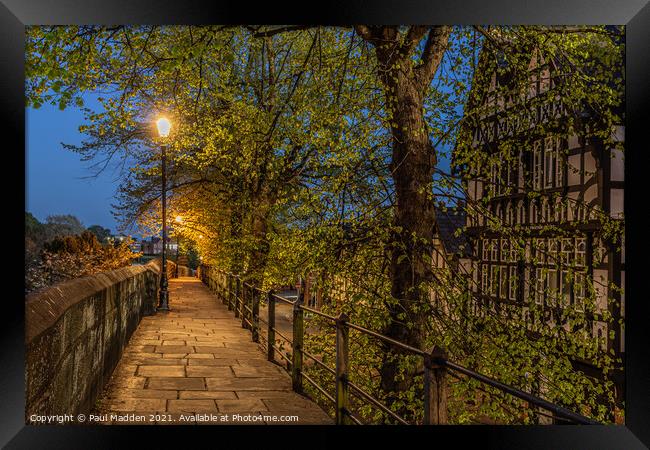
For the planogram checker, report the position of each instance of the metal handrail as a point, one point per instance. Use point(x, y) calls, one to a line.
point(417, 351)
point(320, 389)
point(281, 354)
point(282, 299)
point(282, 335)
point(433, 363)
point(320, 363)
point(353, 417)
point(377, 403)
point(317, 312)
point(558, 410)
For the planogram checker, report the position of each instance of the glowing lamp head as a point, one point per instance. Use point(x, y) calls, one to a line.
point(164, 126)
point(179, 219)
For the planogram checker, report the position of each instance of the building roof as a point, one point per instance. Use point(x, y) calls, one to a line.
point(449, 221)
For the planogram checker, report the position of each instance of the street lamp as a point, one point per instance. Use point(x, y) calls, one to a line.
point(164, 126)
point(179, 219)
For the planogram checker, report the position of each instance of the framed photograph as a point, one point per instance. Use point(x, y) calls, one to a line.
point(351, 218)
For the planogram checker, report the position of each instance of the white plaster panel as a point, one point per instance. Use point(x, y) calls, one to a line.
point(600, 286)
point(617, 169)
point(616, 203)
point(591, 193)
point(600, 329)
point(573, 142)
point(623, 249)
point(573, 176)
point(590, 165)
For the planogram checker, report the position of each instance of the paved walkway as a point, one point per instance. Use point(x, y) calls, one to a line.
point(198, 361)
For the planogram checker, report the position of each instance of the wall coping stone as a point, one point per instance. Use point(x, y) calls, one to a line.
point(45, 307)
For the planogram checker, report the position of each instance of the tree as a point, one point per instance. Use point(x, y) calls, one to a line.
point(63, 225)
point(100, 232)
point(405, 83)
point(73, 256)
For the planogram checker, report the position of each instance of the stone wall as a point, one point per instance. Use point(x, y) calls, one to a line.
point(75, 333)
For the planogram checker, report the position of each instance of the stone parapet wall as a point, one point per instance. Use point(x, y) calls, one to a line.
point(75, 333)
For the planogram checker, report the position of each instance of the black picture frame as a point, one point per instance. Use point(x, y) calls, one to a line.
point(635, 14)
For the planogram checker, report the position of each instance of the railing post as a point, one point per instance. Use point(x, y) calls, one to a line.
point(342, 389)
point(255, 320)
point(222, 291)
point(270, 333)
point(243, 306)
point(435, 388)
point(237, 296)
point(298, 334)
point(229, 291)
point(222, 287)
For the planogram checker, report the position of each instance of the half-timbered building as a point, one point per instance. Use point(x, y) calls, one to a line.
point(552, 198)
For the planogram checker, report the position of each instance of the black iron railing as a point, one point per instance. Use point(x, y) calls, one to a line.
point(244, 299)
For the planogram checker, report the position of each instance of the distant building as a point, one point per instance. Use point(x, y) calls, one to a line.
point(154, 246)
point(135, 246)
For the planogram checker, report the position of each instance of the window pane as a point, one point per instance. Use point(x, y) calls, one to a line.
point(503, 274)
point(581, 247)
point(552, 288)
point(512, 283)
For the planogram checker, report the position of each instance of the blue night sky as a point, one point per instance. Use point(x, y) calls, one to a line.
point(55, 181)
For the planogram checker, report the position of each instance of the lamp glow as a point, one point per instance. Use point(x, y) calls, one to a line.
point(164, 126)
point(179, 219)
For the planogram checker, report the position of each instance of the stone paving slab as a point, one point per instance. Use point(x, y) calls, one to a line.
point(197, 365)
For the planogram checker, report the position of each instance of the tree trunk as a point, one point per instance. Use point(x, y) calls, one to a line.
point(412, 166)
point(236, 255)
point(412, 239)
point(260, 249)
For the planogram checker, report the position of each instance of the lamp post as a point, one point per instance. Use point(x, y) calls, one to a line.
point(164, 126)
point(179, 219)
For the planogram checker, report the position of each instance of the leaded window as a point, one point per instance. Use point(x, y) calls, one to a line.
point(550, 161)
point(581, 251)
point(533, 211)
point(494, 280)
point(538, 167)
point(505, 250)
point(545, 211)
point(540, 250)
point(551, 284)
point(521, 212)
point(565, 288)
point(567, 251)
point(485, 279)
point(553, 251)
point(510, 218)
point(503, 281)
point(579, 291)
point(539, 286)
point(512, 283)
